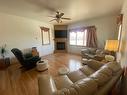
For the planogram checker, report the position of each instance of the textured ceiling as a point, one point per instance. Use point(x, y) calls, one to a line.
point(75, 9)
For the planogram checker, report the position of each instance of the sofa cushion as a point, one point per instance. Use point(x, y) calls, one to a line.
point(90, 56)
point(94, 64)
point(114, 66)
point(85, 86)
point(87, 70)
point(63, 82)
point(105, 70)
point(76, 75)
point(84, 51)
point(92, 51)
point(98, 51)
point(106, 52)
point(100, 78)
point(66, 91)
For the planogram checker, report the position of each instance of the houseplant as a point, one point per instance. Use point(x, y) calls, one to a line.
point(3, 50)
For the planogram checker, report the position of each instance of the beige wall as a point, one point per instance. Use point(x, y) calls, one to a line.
point(106, 29)
point(23, 33)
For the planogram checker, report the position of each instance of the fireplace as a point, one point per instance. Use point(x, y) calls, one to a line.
point(60, 38)
point(60, 45)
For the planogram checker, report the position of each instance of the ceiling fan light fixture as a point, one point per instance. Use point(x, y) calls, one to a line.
point(58, 17)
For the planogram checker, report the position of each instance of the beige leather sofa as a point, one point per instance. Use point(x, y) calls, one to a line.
point(94, 78)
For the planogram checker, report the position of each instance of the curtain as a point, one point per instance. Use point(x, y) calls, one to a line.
point(91, 37)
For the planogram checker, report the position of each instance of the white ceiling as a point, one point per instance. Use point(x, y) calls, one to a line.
point(75, 9)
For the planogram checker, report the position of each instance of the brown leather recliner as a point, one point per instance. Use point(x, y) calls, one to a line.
point(94, 53)
point(92, 79)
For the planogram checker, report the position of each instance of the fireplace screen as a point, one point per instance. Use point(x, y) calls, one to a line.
point(60, 45)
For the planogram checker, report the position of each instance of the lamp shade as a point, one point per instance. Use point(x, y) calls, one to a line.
point(112, 45)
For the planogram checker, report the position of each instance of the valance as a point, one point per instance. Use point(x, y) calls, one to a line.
point(81, 29)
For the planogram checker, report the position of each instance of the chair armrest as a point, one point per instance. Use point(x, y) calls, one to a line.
point(27, 55)
point(32, 59)
point(84, 51)
point(99, 57)
point(46, 85)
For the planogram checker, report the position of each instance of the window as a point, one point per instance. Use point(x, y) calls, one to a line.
point(120, 30)
point(119, 23)
point(45, 35)
point(78, 38)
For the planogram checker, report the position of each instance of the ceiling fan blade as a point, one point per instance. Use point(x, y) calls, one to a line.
point(61, 14)
point(66, 18)
point(52, 16)
point(52, 20)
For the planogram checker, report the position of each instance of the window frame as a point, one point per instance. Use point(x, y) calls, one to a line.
point(45, 41)
point(76, 39)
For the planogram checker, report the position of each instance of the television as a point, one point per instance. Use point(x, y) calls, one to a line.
point(60, 33)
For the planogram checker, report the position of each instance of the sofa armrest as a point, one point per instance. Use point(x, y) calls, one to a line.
point(84, 51)
point(99, 57)
point(46, 85)
point(94, 64)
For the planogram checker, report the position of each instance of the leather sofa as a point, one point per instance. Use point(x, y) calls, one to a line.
point(94, 53)
point(95, 78)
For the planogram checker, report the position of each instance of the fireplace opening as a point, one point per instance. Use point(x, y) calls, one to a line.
point(60, 45)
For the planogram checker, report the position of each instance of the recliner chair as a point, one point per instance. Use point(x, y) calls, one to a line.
point(28, 62)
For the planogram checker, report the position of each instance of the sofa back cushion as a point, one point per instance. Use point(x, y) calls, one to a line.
point(85, 86)
point(92, 50)
point(76, 75)
point(114, 66)
point(105, 73)
point(63, 82)
point(105, 70)
point(94, 64)
point(100, 78)
point(87, 70)
point(98, 51)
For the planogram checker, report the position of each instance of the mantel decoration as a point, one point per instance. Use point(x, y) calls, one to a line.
point(3, 50)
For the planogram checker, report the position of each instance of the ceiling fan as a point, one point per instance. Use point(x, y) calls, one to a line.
point(59, 17)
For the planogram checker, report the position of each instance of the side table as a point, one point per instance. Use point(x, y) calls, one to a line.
point(42, 65)
point(84, 61)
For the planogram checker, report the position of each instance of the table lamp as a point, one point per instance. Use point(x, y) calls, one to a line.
point(112, 45)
